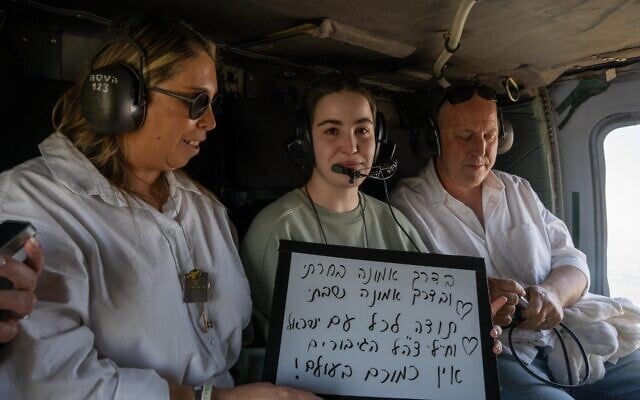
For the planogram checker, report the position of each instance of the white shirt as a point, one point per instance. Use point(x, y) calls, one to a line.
point(521, 239)
point(110, 322)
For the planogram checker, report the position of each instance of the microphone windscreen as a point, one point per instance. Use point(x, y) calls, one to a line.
point(338, 169)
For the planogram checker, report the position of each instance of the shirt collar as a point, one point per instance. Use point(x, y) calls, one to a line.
point(493, 182)
point(74, 170)
point(437, 192)
point(180, 180)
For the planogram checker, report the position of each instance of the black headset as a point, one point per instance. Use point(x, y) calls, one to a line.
point(114, 96)
point(425, 139)
point(300, 148)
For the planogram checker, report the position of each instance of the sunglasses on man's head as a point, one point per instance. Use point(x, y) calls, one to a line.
point(459, 94)
point(197, 104)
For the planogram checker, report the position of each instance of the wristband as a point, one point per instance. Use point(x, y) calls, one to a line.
point(207, 390)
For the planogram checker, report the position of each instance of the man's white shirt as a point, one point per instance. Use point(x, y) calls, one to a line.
point(520, 240)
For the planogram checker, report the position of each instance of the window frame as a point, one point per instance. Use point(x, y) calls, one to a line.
point(598, 169)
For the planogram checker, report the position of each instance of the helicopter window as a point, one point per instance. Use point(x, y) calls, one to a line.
point(623, 215)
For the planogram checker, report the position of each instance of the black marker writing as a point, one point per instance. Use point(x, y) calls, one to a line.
point(425, 327)
point(383, 375)
point(319, 368)
point(443, 329)
point(367, 346)
point(327, 291)
point(432, 278)
point(383, 325)
point(343, 344)
point(469, 344)
point(389, 294)
point(366, 275)
point(432, 296)
point(453, 373)
point(332, 271)
point(301, 323)
point(408, 348)
point(448, 350)
point(337, 321)
point(463, 308)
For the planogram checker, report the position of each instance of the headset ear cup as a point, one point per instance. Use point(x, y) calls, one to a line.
point(505, 140)
point(386, 153)
point(114, 100)
point(381, 128)
point(381, 137)
point(307, 141)
point(424, 139)
point(505, 133)
point(296, 153)
point(300, 148)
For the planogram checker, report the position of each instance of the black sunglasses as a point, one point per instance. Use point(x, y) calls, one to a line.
point(461, 93)
point(197, 104)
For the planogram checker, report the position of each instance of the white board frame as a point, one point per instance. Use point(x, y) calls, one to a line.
point(411, 259)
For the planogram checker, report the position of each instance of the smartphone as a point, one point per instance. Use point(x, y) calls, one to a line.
point(522, 304)
point(13, 235)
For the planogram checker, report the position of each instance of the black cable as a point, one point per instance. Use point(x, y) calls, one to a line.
point(315, 212)
point(65, 12)
point(317, 215)
point(566, 358)
point(364, 221)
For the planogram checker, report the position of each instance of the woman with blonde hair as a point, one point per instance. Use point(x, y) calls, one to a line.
point(143, 294)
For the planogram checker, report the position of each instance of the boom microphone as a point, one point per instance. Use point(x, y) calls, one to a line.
point(382, 173)
point(379, 172)
point(351, 173)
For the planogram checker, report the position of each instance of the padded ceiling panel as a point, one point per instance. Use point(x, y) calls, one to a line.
point(535, 41)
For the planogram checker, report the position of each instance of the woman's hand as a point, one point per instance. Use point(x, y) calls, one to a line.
point(253, 391)
point(20, 300)
point(495, 333)
point(262, 391)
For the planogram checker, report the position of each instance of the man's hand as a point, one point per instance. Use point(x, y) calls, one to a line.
point(24, 276)
point(544, 311)
point(563, 287)
point(510, 289)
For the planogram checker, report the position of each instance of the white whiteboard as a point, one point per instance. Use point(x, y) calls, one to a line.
point(381, 324)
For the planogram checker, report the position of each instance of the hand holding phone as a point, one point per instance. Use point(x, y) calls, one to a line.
point(13, 236)
point(509, 288)
point(522, 304)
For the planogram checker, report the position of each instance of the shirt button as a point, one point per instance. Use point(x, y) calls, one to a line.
point(212, 341)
